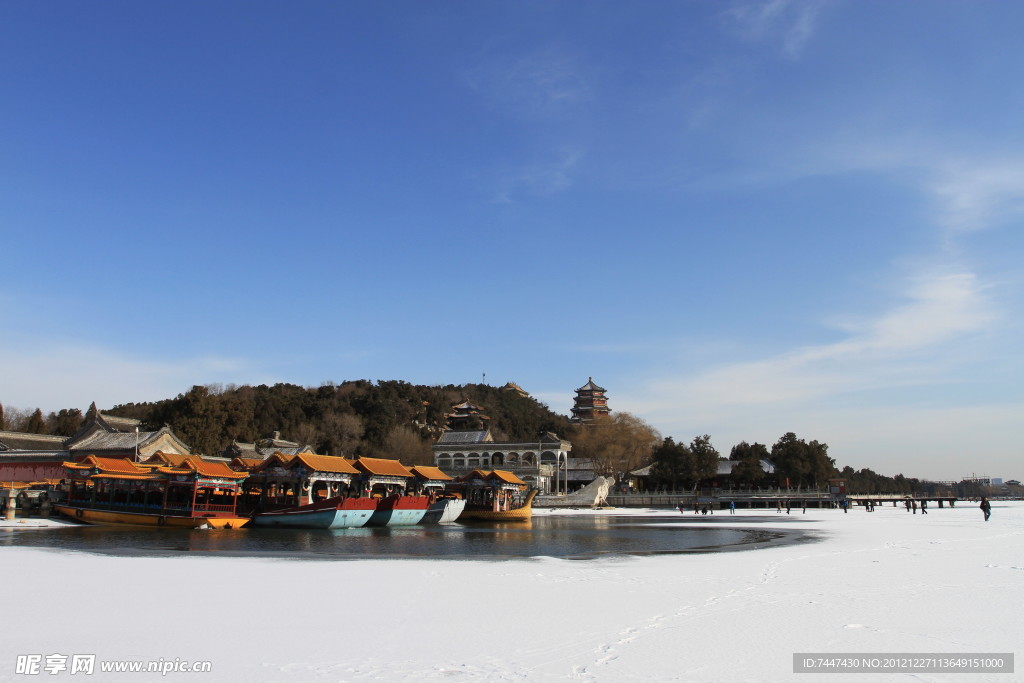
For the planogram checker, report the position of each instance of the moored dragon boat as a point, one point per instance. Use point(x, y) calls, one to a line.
point(192, 494)
point(306, 491)
point(495, 496)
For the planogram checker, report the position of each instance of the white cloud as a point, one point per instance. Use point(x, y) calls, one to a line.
point(55, 376)
point(537, 84)
point(788, 24)
point(977, 194)
point(538, 179)
point(899, 348)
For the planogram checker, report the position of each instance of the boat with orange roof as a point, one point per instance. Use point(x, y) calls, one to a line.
point(495, 496)
point(191, 494)
point(390, 482)
point(445, 507)
point(306, 491)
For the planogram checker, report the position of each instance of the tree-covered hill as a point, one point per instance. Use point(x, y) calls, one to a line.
point(386, 418)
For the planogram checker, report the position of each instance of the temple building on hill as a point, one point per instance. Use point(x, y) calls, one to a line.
point(466, 416)
point(590, 403)
point(516, 389)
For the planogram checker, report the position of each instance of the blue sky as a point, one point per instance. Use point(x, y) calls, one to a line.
point(741, 218)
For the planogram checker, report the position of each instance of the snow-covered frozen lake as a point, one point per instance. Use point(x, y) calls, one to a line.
point(881, 582)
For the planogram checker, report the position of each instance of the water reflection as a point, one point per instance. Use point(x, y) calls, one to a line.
point(566, 537)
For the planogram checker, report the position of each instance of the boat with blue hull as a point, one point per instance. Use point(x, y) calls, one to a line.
point(306, 491)
point(399, 510)
point(334, 513)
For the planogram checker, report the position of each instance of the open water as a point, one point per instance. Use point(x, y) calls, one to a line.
point(569, 537)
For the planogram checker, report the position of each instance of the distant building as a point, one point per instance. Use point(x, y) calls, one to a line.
point(640, 478)
point(590, 403)
point(466, 416)
point(264, 448)
point(36, 457)
point(515, 389)
point(469, 445)
point(541, 464)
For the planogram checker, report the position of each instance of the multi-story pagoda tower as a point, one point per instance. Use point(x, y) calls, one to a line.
point(590, 403)
point(466, 416)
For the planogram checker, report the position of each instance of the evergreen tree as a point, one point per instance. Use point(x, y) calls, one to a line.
point(672, 465)
point(66, 422)
point(36, 423)
point(92, 412)
point(801, 463)
point(705, 459)
point(748, 469)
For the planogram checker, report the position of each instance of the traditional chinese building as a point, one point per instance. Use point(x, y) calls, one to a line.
point(540, 464)
point(466, 416)
point(264, 448)
point(590, 403)
point(514, 388)
point(34, 457)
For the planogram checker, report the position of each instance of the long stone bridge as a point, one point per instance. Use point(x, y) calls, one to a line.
point(768, 499)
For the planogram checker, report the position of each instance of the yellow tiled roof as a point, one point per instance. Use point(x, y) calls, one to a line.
point(428, 472)
point(382, 467)
point(207, 469)
point(108, 465)
point(246, 463)
point(475, 474)
point(172, 459)
point(325, 463)
point(507, 477)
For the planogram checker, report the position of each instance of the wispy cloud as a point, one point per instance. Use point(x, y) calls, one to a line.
point(539, 83)
point(886, 351)
point(977, 194)
point(909, 349)
point(54, 376)
point(787, 24)
point(540, 179)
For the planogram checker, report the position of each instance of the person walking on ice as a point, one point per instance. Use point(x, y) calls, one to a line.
point(986, 508)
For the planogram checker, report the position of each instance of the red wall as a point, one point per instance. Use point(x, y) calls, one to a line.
point(30, 471)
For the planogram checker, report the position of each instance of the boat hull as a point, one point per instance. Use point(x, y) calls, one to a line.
point(118, 517)
point(444, 511)
point(519, 514)
point(333, 513)
point(400, 511)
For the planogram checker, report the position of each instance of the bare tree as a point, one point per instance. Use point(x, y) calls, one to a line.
point(307, 435)
point(404, 443)
point(618, 445)
point(342, 433)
